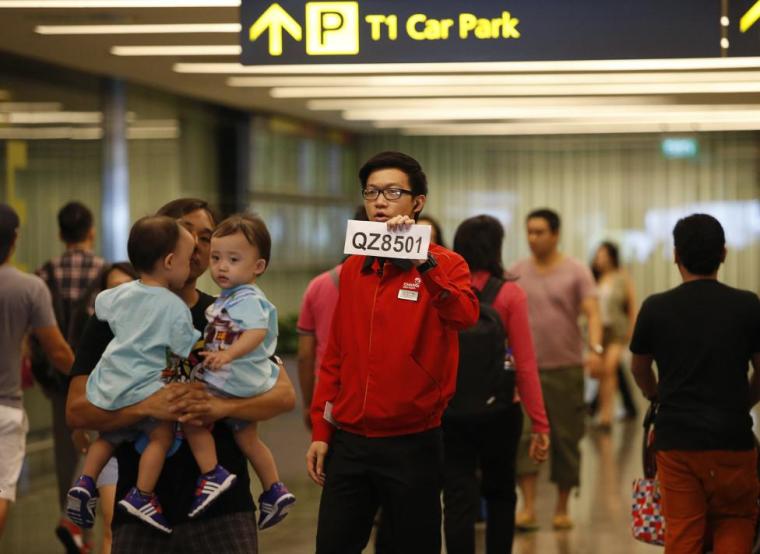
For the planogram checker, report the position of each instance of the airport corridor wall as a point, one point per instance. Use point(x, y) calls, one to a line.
point(616, 187)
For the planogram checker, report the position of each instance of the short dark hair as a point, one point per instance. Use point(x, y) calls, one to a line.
point(9, 224)
point(151, 239)
point(478, 240)
point(124, 267)
point(700, 241)
point(252, 227)
point(183, 206)
point(400, 161)
point(612, 252)
point(551, 217)
point(74, 222)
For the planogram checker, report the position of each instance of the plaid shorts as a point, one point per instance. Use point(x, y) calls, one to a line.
point(227, 534)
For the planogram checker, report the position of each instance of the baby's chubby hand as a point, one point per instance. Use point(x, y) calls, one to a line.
point(215, 360)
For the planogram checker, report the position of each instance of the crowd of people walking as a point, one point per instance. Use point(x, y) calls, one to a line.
point(433, 388)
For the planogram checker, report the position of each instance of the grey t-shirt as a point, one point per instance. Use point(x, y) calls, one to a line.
point(25, 304)
point(554, 305)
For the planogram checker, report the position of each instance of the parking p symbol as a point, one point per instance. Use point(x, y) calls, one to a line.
point(332, 28)
point(329, 21)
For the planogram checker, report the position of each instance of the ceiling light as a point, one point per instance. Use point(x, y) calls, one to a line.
point(662, 113)
point(189, 50)
point(393, 103)
point(138, 29)
point(154, 123)
point(677, 64)
point(36, 118)
point(6, 107)
point(152, 133)
point(56, 4)
point(50, 133)
point(158, 130)
point(516, 90)
point(575, 128)
point(485, 80)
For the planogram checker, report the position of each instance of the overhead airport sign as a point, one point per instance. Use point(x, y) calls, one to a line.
point(744, 27)
point(395, 31)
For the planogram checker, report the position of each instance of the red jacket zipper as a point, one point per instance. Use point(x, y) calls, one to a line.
point(379, 273)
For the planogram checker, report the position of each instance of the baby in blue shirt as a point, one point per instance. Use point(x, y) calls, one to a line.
point(240, 341)
point(149, 323)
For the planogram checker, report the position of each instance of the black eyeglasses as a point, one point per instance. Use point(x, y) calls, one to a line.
point(389, 193)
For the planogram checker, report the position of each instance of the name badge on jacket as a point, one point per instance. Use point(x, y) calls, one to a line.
point(411, 295)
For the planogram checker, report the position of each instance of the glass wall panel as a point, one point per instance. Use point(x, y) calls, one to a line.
point(51, 152)
point(622, 188)
point(303, 183)
point(172, 153)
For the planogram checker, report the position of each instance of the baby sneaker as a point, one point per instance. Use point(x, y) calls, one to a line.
point(274, 505)
point(81, 500)
point(210, 486)
point(145, 507)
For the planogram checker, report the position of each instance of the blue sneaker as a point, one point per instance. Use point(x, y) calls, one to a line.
point(210, 486)
point(145, 507)
point(274, 505)
point(81, 501)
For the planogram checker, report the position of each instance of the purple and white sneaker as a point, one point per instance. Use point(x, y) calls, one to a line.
point(210, 486)
point(81, 501)
point(274, 505)
point(145, 507)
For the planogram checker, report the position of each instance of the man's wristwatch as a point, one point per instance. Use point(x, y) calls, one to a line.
point(596, 348)
point(428, 264)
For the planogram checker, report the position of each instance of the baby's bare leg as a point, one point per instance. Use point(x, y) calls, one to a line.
point(202, 444)
point(98, 454)
point(258, 454)
point(152, 458)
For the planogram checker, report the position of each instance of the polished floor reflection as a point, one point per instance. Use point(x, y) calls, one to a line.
point(600, 508)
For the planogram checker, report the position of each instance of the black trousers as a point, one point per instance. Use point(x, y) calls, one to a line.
point(401, 474)
point(488, 444)
point(66, 455)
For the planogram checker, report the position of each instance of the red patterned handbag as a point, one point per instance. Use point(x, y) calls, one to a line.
point(648, 522)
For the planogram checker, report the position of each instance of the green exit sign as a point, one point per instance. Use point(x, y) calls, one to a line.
point(680, 147)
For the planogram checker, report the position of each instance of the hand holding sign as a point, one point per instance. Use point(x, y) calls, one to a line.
point(405, 241)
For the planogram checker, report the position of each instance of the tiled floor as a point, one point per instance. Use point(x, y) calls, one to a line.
point(600, 509)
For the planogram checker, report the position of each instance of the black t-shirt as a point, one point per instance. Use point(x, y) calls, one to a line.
point(702, 335)
point(176, 485)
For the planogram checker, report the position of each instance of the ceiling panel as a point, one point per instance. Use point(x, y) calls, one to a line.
point(326, 95)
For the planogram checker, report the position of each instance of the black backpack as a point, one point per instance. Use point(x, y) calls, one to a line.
point(483, 385)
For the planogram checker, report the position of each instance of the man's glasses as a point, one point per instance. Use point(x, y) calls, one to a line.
point(389, 193)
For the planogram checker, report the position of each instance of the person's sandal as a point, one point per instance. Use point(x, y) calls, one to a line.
point(525, 523)
point(562, 522)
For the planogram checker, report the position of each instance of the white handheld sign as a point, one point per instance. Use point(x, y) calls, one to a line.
point(370, 238)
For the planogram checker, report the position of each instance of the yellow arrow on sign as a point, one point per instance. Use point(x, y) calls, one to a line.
point(276, 20)
point(750, 18)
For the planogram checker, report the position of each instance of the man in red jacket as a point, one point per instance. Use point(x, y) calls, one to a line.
point(386, 377)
